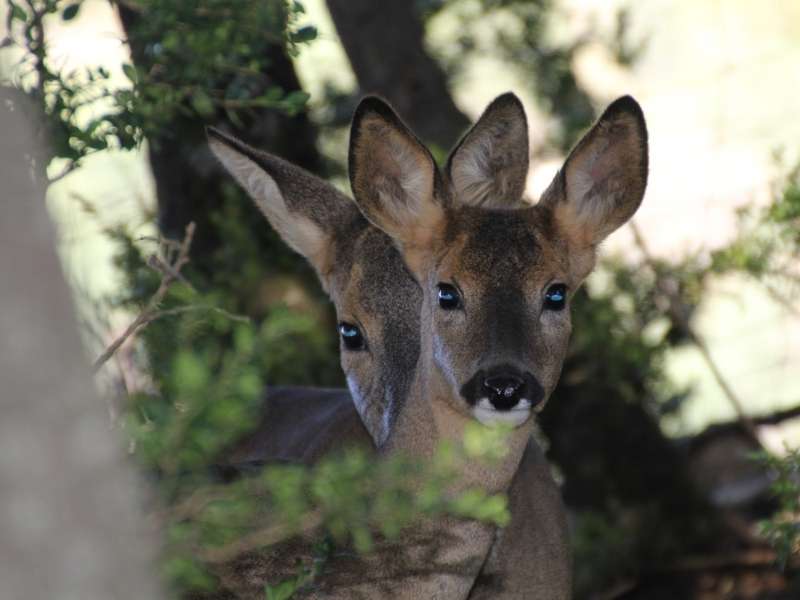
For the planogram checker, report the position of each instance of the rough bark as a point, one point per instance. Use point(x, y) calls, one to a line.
point(386, 48)
point(70, 522)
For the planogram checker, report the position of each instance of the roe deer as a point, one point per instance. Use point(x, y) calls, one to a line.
point(503, 259)
point(495, 281)
point(371, 286)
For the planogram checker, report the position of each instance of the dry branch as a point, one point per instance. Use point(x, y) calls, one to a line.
point(260, 538)
point(679, 317)
point(170, 273)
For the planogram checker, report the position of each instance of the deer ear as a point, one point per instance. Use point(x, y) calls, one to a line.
point(603, 180)
point(489, 166)
point(306, 211)
point(393, 176)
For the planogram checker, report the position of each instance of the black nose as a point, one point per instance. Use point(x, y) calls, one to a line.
point(504, 391)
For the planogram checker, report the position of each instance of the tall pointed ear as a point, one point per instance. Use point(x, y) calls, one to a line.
point(603, 180)
point(394, 177)
point(489, 166)
point(306, 211)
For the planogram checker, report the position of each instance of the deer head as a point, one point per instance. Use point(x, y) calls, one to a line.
point(496, 282)
point(376, 299)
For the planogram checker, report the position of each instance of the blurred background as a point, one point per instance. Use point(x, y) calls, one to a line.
point(675, 428)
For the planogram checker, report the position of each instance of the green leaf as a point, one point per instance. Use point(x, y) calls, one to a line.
point(202, 103)
point(305, 34)
point(130, 72)
point(17, 13)
point(283, 591)
point(70, 12)
point(297, 98)
point(191, 373)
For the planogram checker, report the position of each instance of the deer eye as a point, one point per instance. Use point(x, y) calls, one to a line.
point(351, 336)
point(449, 298)
point(555, 298)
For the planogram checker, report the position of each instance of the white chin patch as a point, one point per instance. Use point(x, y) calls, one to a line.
point(489, 415)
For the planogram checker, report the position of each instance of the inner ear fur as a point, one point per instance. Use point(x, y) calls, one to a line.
point(603, 180)
point(394, 178)
point(489, 166)
point(306, 211)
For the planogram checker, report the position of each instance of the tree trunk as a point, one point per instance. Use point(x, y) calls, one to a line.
point(385, 45)
point(188, 181)
point(70, 522)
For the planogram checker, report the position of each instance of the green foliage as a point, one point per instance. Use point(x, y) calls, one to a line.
point(351, 497)
point(286, 589)
point(768, 241)
point(766, 249)
point(622, 319)
point(64, 96)
point(208, 369)
point(205, 393)
point(198, 58)
point(783, 529)
point(630, 320)
point(603, 548)
point(202, 57)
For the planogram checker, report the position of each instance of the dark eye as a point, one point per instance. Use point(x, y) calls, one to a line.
point(449, 298)
point(351, 336)
point(555, 298)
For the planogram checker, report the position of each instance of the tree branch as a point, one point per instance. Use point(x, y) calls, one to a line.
point(169, 275)
point(680, 318)
point(266, 536)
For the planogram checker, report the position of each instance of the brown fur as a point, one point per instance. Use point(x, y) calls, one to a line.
point(503, 259)
point(502, 262)
point(370, 285)
point(603, 180)
point(395, 177)
point(282, 196)
point(491, 161)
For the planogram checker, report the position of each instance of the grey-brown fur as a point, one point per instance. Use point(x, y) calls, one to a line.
point(363, 273)
point(307, 425)
point(503, 264)
point(300, 188)
point(382, 291)
point(625, 174)
point(496, 146)
point(502, 261)
point(478, 252)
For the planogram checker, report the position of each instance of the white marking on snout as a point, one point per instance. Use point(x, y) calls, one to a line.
point(489, 415)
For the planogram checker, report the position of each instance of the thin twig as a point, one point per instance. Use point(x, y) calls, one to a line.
point(756, 558)
point(267, 536)
point(781, 299)
point(194, 505)
point(167, 270)
point(64, 172)
point(168, 278)
point(169, 312)
point(680, 318)
point(725, 427)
